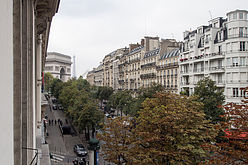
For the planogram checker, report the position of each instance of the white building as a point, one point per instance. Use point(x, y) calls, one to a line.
point(219, 51)
point(59, 65)
point(24, 31)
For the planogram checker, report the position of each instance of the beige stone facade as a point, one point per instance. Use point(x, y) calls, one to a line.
point(142, 65)
point(91, 77)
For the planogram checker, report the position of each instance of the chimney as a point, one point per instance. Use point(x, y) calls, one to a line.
point(142, 42)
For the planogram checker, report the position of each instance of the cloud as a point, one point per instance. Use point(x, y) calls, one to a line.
point(90, 29)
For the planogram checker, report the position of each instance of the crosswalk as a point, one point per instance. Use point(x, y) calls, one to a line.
point(57, 158)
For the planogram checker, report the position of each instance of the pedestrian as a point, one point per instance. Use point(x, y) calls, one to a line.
point(75, 161)
point(52, 122)
point(66, 121)
point(55, 121)
point(49, 122)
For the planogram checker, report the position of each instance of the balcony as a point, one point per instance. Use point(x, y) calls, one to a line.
point(217, 69)
point(184, 72)
point(184, 83)
point(220, 83)
point(237, 36)
point(148, 75)
point(134, 60)
point(148, 65)
point(198, 70)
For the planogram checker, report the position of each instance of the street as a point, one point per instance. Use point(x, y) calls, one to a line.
point(60, 146)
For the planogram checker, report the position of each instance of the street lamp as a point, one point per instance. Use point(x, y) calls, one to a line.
point(93, 147)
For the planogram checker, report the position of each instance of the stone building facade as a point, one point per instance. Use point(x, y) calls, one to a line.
point(59, 65)
point(218, 51)
point(139, 65)
point(24, 31)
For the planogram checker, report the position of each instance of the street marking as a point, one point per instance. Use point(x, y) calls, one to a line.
point(61, 156)
point(57, 158)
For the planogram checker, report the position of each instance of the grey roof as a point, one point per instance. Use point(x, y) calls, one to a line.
point(58, 54)
point(136, 49)
point(173, 53)
point(152, 53)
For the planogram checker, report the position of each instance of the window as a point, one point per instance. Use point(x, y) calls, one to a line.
point(241, 32)
point(242, 46)
point(220, 49)
point(242, 92)
point(242, 61)
point(234, 15)
point(235, 61)
point(228, 61)
point(241, 16)
point(235, 92)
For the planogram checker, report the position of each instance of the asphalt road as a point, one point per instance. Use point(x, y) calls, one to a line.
point(60, 146)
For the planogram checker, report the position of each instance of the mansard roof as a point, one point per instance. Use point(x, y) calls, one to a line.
point(173, 53)
point(152, 53)
point(136, 50)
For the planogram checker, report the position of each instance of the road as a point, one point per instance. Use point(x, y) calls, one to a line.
point(60, 146)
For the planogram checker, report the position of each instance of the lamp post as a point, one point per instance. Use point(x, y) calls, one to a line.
point(93, 147)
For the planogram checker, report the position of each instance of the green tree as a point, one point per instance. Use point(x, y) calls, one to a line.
point(212, 98)
point(56, 87)
point(121, 100)
point(89, 117)
point(48, 79)
point(103, 93)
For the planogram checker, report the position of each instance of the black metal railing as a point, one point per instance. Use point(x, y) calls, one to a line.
point(35, 158)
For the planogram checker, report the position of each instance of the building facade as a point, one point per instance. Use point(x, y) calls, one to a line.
point(218, 51)
point(59, 65)
point(24, 31)
point(140, 66)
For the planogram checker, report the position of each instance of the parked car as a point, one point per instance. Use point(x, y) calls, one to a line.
point(54, 100)
point(80, 150)
point(107, 115)
point(54, 107)
point(60, 107)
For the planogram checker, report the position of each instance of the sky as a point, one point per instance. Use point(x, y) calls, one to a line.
point(91, 29)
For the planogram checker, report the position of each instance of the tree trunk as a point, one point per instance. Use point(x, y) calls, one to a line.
point(88, 134)
point(93, 131)
point(85, 133)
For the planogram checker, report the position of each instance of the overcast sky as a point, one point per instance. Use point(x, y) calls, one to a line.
point(90, 29)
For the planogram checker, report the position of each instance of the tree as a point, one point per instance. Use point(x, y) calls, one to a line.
point(171, 129)
point(89, 117)
point(144, 93)
point(212, 98)
point(121, 100)
point(48, 79)
point(103, 93)
point(56, 87)
point(116, 140)
point(234, 150)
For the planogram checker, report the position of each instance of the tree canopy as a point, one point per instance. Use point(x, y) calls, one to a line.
point(211, 97)
point(48, 79)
